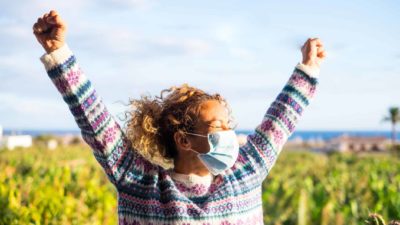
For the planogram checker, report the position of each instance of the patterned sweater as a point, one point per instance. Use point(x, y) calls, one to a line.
point(149, 194)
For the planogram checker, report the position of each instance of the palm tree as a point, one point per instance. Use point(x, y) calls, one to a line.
point(394, 118)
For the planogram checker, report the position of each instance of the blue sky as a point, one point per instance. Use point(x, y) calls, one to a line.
point(244, 50)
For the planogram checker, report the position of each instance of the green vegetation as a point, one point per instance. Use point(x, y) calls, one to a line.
point(307, 188)
point(67, 186)
point(376, 219)
point(393, 118)
point(63, 186)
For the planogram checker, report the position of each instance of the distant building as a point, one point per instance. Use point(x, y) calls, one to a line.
point(347, 143)
point(69, 139)
point(13, 141)
point(52, 144)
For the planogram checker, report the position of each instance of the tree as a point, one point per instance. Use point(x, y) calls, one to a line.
point(394, 118)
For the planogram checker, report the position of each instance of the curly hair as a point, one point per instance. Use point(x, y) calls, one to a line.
point(153, 121)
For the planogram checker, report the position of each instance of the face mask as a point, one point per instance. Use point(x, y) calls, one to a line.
point(224, 150)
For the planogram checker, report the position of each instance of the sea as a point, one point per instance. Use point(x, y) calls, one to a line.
point(303, 135)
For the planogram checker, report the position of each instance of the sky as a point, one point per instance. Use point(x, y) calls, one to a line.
point(244, 50)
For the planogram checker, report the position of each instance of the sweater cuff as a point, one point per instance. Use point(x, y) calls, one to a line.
point(312, 71)
point(56, 57)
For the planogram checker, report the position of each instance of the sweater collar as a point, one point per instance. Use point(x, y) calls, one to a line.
point(192, 178)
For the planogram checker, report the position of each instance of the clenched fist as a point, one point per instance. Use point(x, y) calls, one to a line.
point(313, 52)
point(50, 31)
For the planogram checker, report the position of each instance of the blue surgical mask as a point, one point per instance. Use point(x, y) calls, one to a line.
point(224, 150)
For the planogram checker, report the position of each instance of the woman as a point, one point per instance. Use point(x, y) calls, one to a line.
point(179, 161)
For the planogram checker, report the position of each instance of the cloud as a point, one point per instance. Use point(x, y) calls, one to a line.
point(241, 53)
point(30, 10)
point(229, 34)
point(31, 106)
point(130, 43)
point(16, 37)
point(17, 111)
point(187, 46)
point(15, 30)
point(130, 4)
point(225, 33)
point(117, 40)
point(20, 64)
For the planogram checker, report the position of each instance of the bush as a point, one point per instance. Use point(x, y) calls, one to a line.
point(68, 186)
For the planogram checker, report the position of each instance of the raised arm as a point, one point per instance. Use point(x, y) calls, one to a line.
point(98, 127)
point(264, 145)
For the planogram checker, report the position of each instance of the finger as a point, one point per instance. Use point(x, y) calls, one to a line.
point(34, 28)
point(56, 20)
point(45, 16)
point(306, 43)
point(45, 26)
point(53, 12)
point(37, 31)
point(316, 46)
point(59, 34)
point(60, 22)
point(40, 26)
point(317, 42)
point(321, 55)
point(302, 47)
point(313, 47)
point(51, 15)
point(320, 49)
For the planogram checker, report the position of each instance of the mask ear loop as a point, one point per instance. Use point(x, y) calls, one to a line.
point(197, 153)
point(199, 135)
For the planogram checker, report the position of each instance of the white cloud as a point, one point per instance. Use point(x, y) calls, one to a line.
point(31, 10)
point(20, 64)
point(70, 6)
point(16, 31)
point(241, 53)
point(136, 4)
point(31, 106)
point(229, 34)
point(225, 33)
point(119, 40)
point(190, 46)
point(24, 111)
point(196, 46)
point(131, 42)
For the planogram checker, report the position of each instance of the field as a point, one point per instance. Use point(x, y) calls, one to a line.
point(67, 186)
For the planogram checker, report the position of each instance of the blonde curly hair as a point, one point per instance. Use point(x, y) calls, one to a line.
point(154, 120)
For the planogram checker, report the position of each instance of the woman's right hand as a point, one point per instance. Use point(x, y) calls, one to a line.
point(50, 31)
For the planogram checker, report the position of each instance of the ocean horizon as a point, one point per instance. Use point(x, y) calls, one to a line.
point(302, 134)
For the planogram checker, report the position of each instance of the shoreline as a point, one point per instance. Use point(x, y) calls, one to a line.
point(305, 135)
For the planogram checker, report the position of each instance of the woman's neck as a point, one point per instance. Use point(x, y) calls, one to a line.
point(190, 165)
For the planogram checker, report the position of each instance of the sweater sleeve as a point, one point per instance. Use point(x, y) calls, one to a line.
point(98, 128)
point(259, 154)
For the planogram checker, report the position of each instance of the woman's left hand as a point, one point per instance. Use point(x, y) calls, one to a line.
point(313, 52)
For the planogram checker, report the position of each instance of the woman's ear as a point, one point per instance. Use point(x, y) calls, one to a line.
point(181, 141)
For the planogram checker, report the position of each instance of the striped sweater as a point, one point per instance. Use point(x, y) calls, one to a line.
point(149, 194)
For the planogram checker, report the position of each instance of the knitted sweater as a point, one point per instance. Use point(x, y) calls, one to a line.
point(149, 194)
